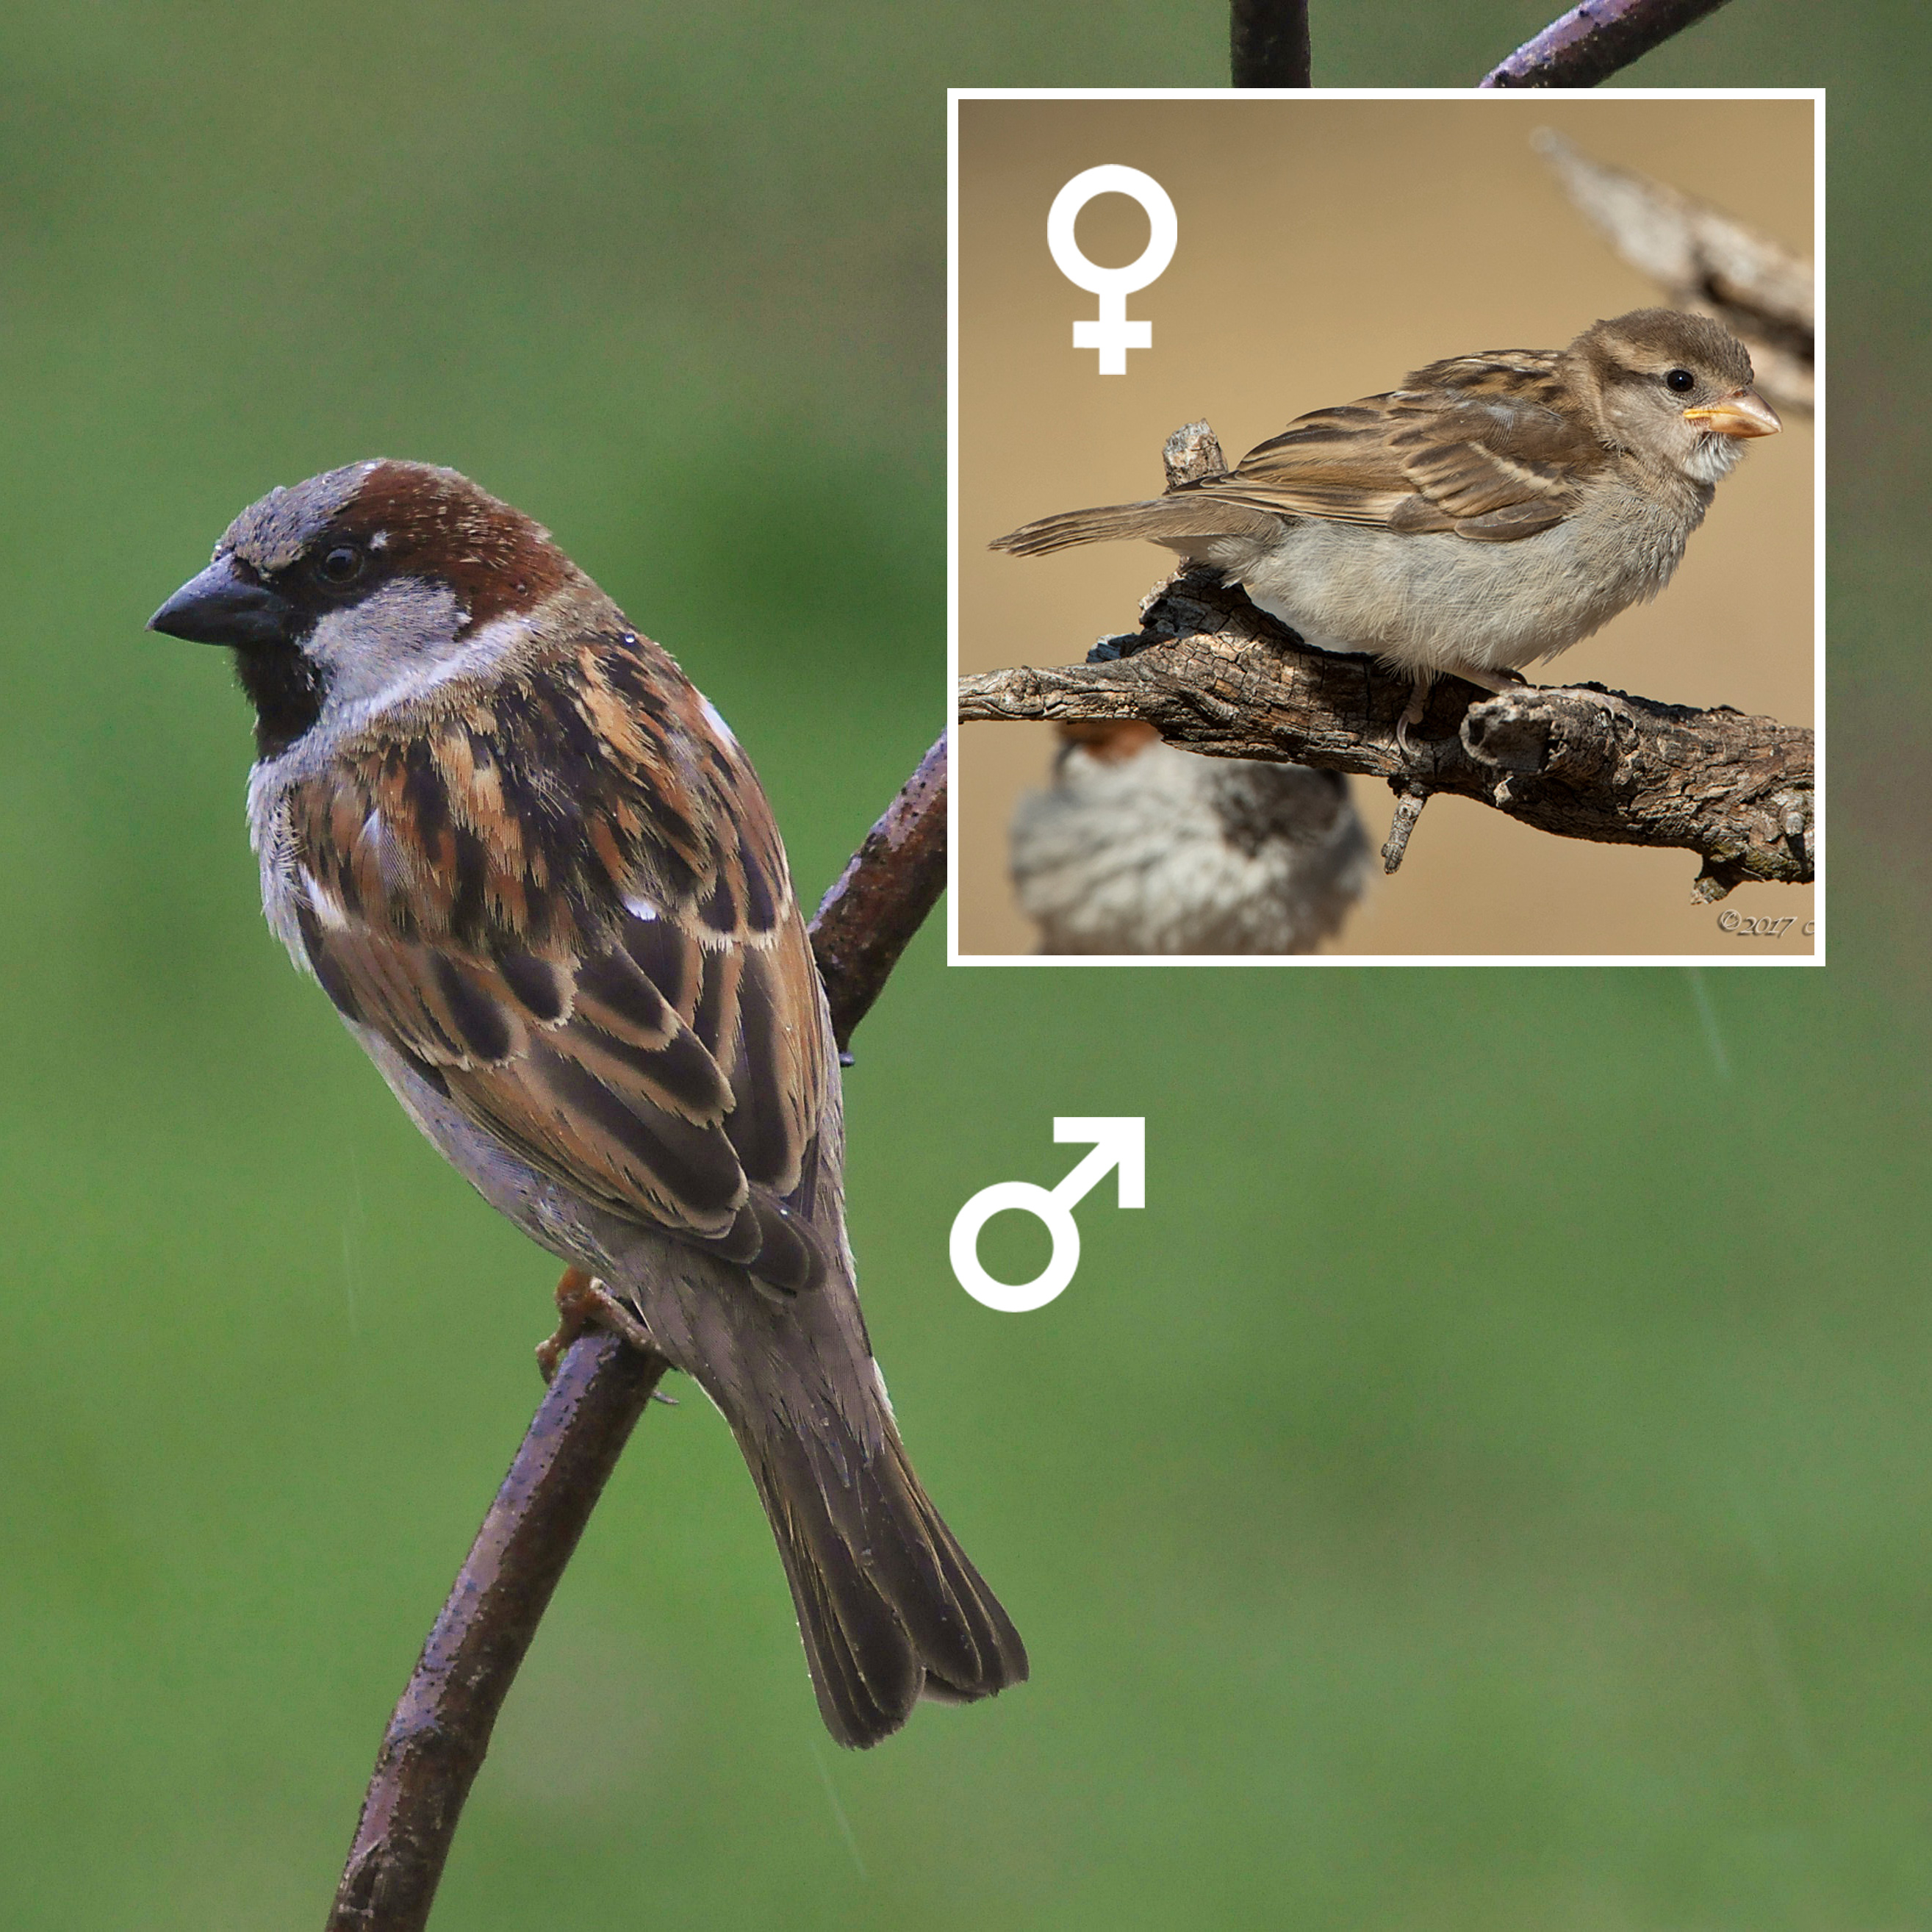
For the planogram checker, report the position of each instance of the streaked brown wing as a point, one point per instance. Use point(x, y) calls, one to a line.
point(1334, 463)
point(1489, 447)
point(569, 905)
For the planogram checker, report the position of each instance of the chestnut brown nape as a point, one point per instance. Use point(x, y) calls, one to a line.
point(431, 522)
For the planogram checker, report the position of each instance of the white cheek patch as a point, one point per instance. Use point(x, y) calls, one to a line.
point(400, 636)
point(715, 719)
point(398, 644)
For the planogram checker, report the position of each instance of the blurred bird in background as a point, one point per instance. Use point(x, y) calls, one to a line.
point(1136, 846)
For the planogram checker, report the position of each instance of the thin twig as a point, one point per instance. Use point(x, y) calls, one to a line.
point(1410, 798)
point(1213, 674)
point(1591, 42)
point(1267, 43)
point(1705, 259)
point(436, 1739)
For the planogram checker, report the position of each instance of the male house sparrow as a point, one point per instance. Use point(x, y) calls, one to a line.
point(1492, 511)
point(1139, 846)
point(538, 878)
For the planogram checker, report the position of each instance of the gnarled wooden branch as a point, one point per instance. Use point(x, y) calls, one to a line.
point(1213, 674)
point(1591, 42)
point(436, 1741)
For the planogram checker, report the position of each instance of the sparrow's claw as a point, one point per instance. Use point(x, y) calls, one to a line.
point(583, 1302)
point(1496, 681)
point(1406, 739)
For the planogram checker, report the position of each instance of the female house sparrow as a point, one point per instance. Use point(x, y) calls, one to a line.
point(538, 877)
point(1493, 511)
point(1139, 847)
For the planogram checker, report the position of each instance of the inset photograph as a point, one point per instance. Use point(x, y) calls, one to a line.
point(1386, 529)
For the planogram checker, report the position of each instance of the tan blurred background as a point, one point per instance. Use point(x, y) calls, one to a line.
point(1326, 248)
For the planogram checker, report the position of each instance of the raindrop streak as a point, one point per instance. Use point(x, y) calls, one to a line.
point(839, 1811)
point(1713, 1037)
point(353, 1230)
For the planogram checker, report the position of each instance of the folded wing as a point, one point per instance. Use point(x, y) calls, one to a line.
point(1488, 447)
point(586, 937)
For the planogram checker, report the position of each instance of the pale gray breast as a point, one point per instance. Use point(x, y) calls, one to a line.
point(272, 835)
point(1436, 599)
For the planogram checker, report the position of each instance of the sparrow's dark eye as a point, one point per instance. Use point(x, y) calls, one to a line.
point(341, 565)
point(1680, 380)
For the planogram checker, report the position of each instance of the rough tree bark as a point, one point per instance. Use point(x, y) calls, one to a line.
point(1213, 674)
point(440, 1731)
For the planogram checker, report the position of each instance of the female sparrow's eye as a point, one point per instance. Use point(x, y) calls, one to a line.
point(342, 564)
point(1680, 380)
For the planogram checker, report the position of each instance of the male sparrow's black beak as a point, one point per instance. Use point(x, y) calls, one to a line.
point(222, 607)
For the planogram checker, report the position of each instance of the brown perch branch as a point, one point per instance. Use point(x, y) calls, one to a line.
point(1213, 674)
point(883, 896)
point(1591, 42)
point(437, 1737)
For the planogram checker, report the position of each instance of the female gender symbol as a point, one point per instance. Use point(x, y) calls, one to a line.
point(1112, 334)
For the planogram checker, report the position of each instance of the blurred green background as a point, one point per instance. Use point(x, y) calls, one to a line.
point(1487, 1488)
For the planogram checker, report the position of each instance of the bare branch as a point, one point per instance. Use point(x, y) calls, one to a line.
point(1267, 43)
point(1213, 674)
point(434, 1746)
point(882, 898)
point(1703, 259)
point(1591, 42)
point(437, 1737)
point(1410, 798)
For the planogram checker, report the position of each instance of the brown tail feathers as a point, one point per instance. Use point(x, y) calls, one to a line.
point(889, 1606)
point(1172, 519)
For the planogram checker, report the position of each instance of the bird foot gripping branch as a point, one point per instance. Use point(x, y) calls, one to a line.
point(582, 1302)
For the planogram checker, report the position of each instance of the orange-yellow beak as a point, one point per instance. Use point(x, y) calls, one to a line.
point(1743, 413)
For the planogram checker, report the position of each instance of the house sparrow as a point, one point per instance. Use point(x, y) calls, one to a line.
point(1492, 512)
point(537, 876)
point(1139, 846)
